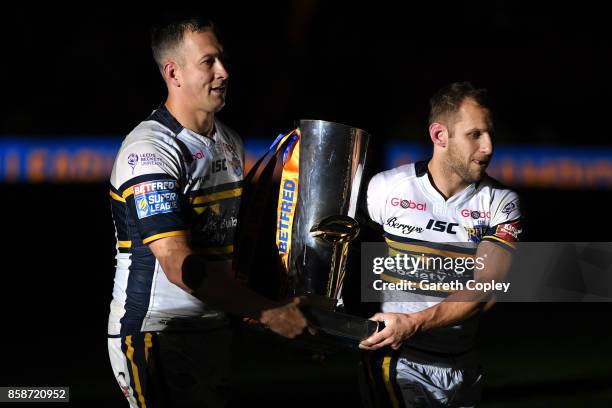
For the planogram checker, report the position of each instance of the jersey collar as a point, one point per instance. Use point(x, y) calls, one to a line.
point(430, 189)
point(163, 116)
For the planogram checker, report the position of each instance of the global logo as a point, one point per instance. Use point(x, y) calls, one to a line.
point(132, 161)
point(475, 214)
point(408, 204)
point(198, 156)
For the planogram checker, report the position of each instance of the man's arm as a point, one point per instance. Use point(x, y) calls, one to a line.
point(457, 307)
point(188, 271)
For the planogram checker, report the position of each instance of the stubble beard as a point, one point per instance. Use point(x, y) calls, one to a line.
point(455, 164)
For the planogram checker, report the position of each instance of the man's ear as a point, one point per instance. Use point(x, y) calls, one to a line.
point(438, 134)
point(171, 73)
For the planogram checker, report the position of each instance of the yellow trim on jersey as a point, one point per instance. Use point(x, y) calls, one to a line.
point(415, 248)
point(128, 192)
point(225, 250)
point(148, 341)
point(130, 356)
point(117, 197)
point(163, 235)
point(221, 195)
point(386, 369)
point(124, 244)
point(500, 240)
point(216, 209)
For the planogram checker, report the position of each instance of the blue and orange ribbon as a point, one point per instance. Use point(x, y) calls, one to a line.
point(287, 196)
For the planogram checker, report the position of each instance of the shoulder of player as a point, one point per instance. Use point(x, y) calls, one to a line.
point(390, 178)
point(495, 188)
point(149, 134)
point(504, 202)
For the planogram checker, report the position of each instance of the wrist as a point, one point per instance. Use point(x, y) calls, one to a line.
point(418, 321)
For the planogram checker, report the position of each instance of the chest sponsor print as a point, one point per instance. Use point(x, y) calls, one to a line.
point(405, 229)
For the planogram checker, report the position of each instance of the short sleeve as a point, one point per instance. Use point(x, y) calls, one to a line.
point(148, 176)
point(506, 224)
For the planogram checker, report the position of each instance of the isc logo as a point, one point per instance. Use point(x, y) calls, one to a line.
point(442, 226)
point(218, 165)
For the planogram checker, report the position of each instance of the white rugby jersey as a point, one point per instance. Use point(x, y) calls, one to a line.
point(418, 221)
point(167, 181)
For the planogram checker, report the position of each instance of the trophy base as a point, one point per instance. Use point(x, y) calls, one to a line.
point(337, 324)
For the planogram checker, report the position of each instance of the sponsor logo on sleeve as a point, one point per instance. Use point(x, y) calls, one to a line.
point(150, 159)
point(509, 232)
point(156, 197)
point(510, 208)
point(132, 161)
point(144, 159)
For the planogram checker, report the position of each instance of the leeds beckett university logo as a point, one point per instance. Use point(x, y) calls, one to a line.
point(132, 161)
point(408, 204)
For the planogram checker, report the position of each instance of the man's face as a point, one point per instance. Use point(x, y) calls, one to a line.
point(470, 145)
point(203, 76)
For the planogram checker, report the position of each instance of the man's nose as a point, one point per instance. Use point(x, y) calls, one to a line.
point(221, 72)
point(486, 144)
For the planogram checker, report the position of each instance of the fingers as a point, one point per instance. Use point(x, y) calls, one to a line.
point(379, 317)
point(369, 345)
point(380, 336)
point(287, 320)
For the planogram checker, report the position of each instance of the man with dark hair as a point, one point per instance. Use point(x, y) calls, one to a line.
point(445, 209)
point(175, 192)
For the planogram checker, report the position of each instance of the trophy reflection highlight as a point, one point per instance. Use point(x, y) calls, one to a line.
point(339, 231)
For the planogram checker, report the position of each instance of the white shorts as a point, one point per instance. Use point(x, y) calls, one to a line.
point(411, 378)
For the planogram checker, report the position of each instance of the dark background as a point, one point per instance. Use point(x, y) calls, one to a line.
point(87, 70)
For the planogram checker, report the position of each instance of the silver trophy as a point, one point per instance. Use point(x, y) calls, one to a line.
point(331, 163)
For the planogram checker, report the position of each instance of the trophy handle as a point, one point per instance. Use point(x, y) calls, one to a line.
point(340, 324)
point(338, 230)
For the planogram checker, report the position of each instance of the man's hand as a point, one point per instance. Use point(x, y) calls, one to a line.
point(286, 320)
point(399, 327)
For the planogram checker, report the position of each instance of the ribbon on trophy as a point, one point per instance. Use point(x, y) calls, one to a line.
point(287, 195)
point(281, 157)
